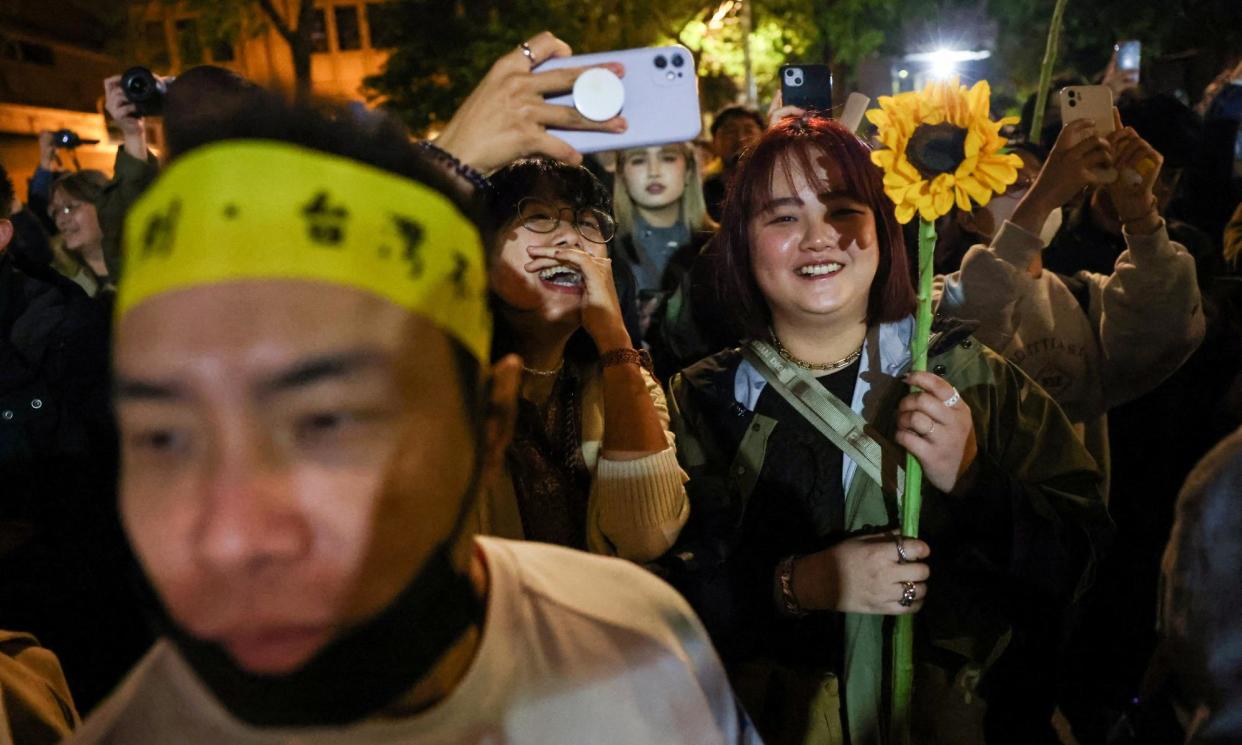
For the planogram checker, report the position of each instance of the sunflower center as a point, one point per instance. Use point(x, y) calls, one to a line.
point(936, 148)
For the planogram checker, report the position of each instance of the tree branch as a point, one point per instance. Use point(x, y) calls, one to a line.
point(277, 20)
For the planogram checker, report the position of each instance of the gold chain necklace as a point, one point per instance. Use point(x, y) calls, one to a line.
point(829, 367)
point(543, 373)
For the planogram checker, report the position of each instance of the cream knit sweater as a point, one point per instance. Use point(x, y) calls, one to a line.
point(1140, 323)
point(636, 508)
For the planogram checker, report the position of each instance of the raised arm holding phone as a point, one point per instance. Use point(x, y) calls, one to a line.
point(506, 117)
point(1092, 340)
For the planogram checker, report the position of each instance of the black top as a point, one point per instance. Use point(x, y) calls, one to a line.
point(551, 481)
point(797, 507)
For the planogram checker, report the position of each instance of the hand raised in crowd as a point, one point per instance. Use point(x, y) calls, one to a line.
point(1071, 166)
point(601, 309)
point(778, 110)
point(1119, 80)
point(865, 574)
point(125, 114)
point(936, 427)
point(49, 157)
point(1133, 193)
point(506, 116)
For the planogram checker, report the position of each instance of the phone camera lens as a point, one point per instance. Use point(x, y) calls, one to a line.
point(1073, 102)
point(797, 81)
point(678, 60)
point(661, 62)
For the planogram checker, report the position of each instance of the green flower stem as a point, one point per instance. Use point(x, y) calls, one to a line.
point(1045, 71)
point(903, 630)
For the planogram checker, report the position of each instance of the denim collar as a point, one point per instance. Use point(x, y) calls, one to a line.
point(888, 345)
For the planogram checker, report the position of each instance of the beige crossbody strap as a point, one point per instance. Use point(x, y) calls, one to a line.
point(843, 426)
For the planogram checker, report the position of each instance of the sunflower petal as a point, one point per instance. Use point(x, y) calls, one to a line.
point(977, 191)
point(962, 198)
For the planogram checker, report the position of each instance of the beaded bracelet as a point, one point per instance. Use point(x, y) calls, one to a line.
point(785, 598)
point(476, 179)
point(627, 357)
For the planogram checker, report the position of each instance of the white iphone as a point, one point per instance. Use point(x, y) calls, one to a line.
point(1094, 102)
point(658, 96)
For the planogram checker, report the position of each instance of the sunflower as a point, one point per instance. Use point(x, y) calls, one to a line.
point(941, 148)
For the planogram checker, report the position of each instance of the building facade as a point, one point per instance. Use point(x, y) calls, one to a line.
point(52, 72)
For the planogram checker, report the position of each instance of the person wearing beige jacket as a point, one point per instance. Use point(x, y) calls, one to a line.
point(593, 465)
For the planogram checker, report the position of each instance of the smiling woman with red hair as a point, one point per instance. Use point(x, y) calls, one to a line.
point(790, 555)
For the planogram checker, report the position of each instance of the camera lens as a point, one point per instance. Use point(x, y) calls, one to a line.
point(1073, 102)
point(678, 60)
point(137, 87)
point(797, 81)
point(661, 62)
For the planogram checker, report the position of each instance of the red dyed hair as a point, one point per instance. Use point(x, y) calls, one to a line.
point(797, 144)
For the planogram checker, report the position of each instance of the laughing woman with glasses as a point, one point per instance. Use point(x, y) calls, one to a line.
point(592, 464)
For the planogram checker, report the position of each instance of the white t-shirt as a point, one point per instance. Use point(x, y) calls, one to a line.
point(575, 649)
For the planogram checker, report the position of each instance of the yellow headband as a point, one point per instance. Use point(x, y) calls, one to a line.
point(250, 209)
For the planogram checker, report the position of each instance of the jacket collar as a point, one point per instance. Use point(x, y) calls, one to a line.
point(887, 344)
point(886, 354)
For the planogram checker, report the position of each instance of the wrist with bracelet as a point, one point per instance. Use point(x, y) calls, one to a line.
point(786, 601)
point(469, 174)
point(625, 356)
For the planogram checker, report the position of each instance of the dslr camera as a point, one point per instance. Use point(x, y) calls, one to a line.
point(145, 90)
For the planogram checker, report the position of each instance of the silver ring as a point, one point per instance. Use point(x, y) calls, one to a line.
point(529, 54)
point(902, 556)
point(929, 431)
point(908, 595)
point(951, 401)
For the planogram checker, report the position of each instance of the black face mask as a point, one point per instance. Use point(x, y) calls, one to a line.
point(367, 668)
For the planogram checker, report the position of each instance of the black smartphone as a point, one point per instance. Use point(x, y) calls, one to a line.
point(807, 86)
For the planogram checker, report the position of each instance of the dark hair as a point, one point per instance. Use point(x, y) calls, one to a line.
point(795, 143)
point(84, 186)
point(6, 193)
point(544, 178)
point(202, 98)
point(732, 112)
point(1048, 135)
point(1168, 125)
point(1039, 151)
point(373, 138)
point(550, 179)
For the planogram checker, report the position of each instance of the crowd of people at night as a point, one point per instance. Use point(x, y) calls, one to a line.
point(313, 431)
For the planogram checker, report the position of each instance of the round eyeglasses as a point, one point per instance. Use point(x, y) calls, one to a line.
point(539, 216)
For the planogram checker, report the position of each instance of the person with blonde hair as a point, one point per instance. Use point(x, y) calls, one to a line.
point(662, 220)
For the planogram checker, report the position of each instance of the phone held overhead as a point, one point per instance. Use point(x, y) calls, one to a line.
point(808, 87)
point(658, 95)
point(1094, 102)
point(1129, 56)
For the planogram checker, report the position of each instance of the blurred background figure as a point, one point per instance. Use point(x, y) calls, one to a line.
point(662, 226)
point(733, 129)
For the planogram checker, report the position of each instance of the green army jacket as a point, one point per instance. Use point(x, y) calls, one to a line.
point(1029, 514)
